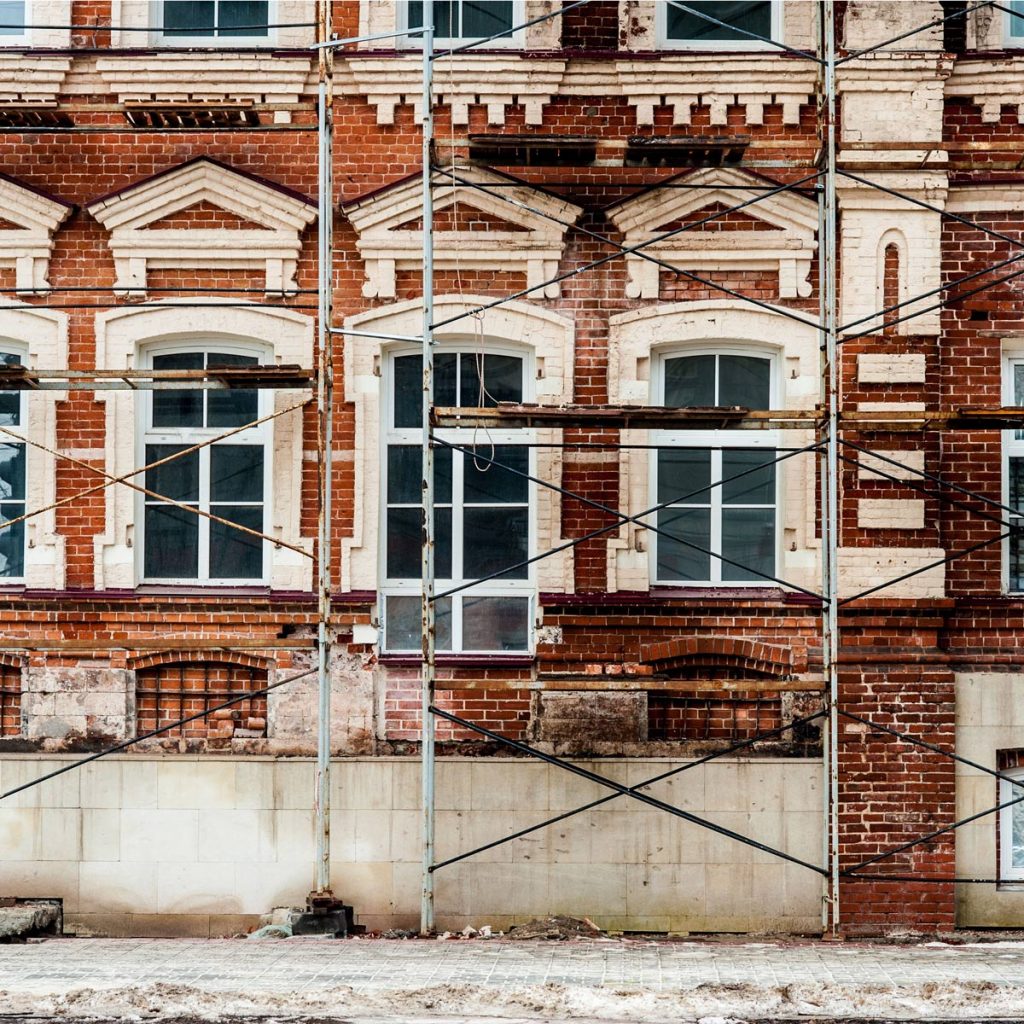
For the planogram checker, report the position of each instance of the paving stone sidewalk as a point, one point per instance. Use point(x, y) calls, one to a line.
point(373, 968)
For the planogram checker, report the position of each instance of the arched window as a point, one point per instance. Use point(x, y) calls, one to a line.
point(484, 518)
point(227, 479)
point(718, 489)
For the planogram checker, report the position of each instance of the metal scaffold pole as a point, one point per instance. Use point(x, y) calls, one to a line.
point(428, 618)
point(325, 398)
point(828, 294)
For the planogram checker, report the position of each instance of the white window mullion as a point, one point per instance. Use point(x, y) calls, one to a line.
point(715, 495)
point(204, 504)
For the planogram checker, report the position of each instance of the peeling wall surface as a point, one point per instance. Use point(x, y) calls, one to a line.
point(203, 845)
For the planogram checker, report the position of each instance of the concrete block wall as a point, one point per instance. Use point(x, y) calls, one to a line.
point(204, 845)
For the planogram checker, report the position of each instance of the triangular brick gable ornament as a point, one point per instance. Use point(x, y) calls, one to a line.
point(30, 219)
point(787, 243)
point(533, 246)
point(272, 244)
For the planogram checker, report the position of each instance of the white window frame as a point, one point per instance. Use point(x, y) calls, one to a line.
point(25, 35)
point(1013, 447)
point(464, 437)
point(1013, 28)
point(22, 427)
point(157, 20)
point(714, 439)
point(664, 42)
point(146, 434)
point(1007, 791)
point(516, 40)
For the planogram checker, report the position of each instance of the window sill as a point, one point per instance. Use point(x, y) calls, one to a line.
point(184, 589)
point(410, 660)
point(1014, 886)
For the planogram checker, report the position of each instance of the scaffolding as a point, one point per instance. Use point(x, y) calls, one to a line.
point(830, 448)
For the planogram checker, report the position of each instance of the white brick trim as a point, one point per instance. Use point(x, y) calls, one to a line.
point(27, 248)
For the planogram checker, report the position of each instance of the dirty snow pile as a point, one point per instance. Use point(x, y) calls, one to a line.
point(726, 1002)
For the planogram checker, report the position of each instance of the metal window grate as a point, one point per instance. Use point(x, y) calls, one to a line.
point(168, 693)
point(10, 700)
point(707, 718)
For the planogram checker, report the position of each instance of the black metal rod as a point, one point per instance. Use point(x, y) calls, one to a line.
point(155, 732)
point(622, 518)
point(906, 737)
point(731, 749)
point(600, 531)
point(601, 780)
point(657, 261)
point(933, 835)
point(931, 565)
point(601, 260)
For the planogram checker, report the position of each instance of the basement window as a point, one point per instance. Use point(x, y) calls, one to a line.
point(168, 693)
point(736, 26)
point(10, 700)
point(1011, 828)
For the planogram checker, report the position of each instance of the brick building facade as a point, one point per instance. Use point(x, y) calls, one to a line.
point(157, 211)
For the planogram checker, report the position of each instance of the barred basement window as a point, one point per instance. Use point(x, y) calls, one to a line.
point(734, 717)
point(737, 519)
point(1011, 827)
point(10, 700)
point(170, 692)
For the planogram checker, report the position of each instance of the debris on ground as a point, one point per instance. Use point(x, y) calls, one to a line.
point(272, 931)
point(556, 927)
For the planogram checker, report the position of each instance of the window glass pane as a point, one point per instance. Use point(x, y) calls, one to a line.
point(1017, 483)
point(1016, 581)
point(12, 18)
point(405, 466)
point(173, 407)
point(756, 488)
point(690, 380)
point(402, 623)
point(235, 555)
point(677, 561)
point(243, 18)
point(1016, 827)
point(753, 17)
point(12, 472)
point(503, 380)
point(481, 18)
point(445, 368)
point(10, 401)
point(681, 471)
point(445, 16)
point(189, 17)
point(172, 543)
point(177, 479)
point(484, 483)
point(1016, 31)
point(748, 537)
point(493, 539)
point(404, 543)
point(496, 623)
point(1018, 383)
point(408, 390)
point(236, 472)
point(12, 540)
point(745, 381)
point(231, 408)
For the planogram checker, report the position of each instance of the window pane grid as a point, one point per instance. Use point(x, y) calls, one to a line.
point(482, 511)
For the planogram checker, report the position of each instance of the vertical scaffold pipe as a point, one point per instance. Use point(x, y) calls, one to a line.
point(428, 619)
point(325, 400)
point(830, 480)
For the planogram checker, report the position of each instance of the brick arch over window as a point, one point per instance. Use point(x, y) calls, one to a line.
point(177, 685)
point(724, 655)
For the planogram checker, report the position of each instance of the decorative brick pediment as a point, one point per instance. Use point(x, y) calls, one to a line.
point(776, 233)
point(473, 229)
point(28, 220)
point(205, 215)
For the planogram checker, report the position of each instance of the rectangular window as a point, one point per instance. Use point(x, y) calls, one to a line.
point(227, 479)
point(482, 515)
point(13, 18)
point(719, 497)
point(1011, 828)
point(12, 480)
point(1013, 473)
point(216, 19)
point(736, 26)
point(462, 21)
point(1015, 23)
